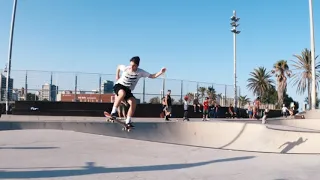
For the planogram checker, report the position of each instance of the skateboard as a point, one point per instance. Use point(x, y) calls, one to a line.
point(119, 121)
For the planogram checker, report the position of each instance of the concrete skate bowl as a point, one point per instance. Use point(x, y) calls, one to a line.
point(219, 135)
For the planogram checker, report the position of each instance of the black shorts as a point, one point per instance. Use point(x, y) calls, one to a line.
point(118, 87)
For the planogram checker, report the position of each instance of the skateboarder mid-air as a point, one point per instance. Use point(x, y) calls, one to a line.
point(125, 85)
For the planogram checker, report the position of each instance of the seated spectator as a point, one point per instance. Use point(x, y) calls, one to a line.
point(231, 111)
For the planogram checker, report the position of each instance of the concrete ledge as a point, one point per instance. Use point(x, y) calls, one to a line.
point(312, 114)
point(311, 124)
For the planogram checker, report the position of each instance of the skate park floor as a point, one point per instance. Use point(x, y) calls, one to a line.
point(56, 154)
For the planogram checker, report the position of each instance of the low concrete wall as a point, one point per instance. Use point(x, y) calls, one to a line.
point(96, 109)
point(219, 135)
point(312, 124)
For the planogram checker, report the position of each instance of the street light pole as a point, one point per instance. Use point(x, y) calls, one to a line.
point(234, 30)
point(313, 68)
point(10, 54)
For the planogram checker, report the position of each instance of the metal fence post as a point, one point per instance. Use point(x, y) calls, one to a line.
point(26, 86)
point(100, 100)
point(225, 95)
point(181, 91)
point(197, 87)
point(50, 88)
point(75, 88)
point(144, 91)
point(163, 85)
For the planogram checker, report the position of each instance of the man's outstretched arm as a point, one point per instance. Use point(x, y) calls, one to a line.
point(153, 76)
point(119, 68)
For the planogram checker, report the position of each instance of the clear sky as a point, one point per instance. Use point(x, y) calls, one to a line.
point(191, 38)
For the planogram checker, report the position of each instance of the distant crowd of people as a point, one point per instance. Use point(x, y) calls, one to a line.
point(209, 109)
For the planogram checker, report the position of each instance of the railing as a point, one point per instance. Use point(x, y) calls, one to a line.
point(35, 85)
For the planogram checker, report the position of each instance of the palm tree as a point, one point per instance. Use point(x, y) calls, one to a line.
point(270, 96)
point(281, 71)
point(219, 98)
point(243, 100)
point(302, 77)
point(260, 81)
point(190, 96)
point(202, 91)
point(211, 92)
point(306, 100)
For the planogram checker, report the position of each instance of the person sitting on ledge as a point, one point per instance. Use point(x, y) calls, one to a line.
point(231, 111)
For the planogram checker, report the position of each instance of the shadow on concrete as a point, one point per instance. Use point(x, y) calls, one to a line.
point(26, 148)
point(90, 169)
point(291, 145)
point(235, 138)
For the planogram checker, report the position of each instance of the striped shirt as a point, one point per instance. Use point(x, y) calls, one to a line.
point(130, 78)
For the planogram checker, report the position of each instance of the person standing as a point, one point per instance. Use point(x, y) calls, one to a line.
point(284, 111)
point(257, 108)
point(168, 102)
point(185, 108)
point(195, 104)
point(265, 116)
point(163, 110)
point(250, 110)
point(205, 109)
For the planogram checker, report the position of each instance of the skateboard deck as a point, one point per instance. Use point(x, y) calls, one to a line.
point(119, 121)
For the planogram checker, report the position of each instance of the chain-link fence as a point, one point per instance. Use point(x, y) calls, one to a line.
point(94, 87)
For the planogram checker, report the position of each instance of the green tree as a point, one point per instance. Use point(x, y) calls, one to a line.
point(202, 92)
point(243, 100)
point(155, 100)
point(302, 76)
point(211, 92)
point(190, 96)
point(180, 101)
point(282, 72)
point(260, 81)
point(287, 100)
point(270, 96)
point(306, 100)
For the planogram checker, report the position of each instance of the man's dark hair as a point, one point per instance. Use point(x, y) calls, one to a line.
point(135, 59)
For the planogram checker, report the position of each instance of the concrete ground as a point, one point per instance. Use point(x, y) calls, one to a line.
point(53, 154)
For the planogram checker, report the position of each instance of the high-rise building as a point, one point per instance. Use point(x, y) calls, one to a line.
point(3, 86)
point(49, 92)
point(107, 87)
